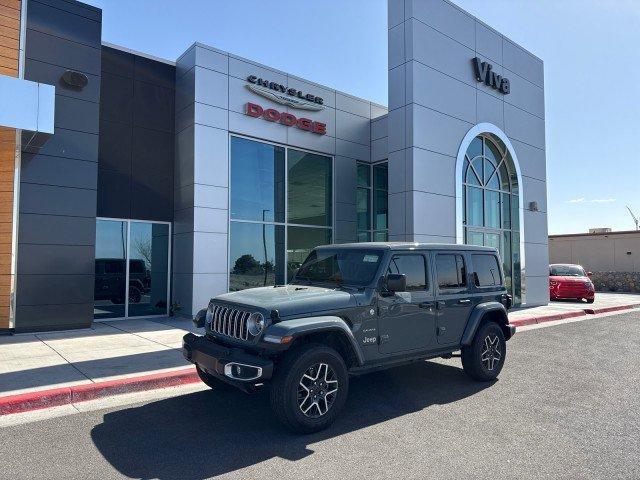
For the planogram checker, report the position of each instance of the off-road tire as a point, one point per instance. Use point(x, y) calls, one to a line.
point(212, 382)
point(285, 386)
point(488, 335)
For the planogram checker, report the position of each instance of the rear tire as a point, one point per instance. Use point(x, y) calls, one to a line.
point(484, 358)
point(309, 388)
point(211, 381)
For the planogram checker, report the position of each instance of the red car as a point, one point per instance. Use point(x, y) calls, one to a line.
point(570, 282)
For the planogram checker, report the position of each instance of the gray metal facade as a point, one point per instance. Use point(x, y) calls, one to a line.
point(149, 140)
point(58, 183)
point(435, 100)
point(211, 98)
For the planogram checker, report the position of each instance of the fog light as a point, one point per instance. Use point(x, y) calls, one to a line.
point(240, 371)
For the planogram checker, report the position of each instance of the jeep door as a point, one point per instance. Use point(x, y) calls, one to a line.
point(407, 319)
point(454, 303)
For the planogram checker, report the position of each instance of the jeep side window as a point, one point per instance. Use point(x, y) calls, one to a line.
point(486, 269)
point(451, 271)
point(413, 267)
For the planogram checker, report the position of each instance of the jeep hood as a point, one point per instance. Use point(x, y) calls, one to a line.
point(291, 299)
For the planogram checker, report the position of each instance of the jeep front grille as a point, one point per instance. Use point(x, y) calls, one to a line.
point(231, 322)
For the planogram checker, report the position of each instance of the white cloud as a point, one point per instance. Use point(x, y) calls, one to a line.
point(595, 200)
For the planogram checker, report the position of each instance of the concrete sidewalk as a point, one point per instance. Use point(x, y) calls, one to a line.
point(126, 355)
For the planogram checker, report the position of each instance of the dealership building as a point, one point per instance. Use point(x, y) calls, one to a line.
point(134, 186)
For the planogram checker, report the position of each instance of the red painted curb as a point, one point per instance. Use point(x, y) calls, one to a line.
point(548, 318)
point(594, 311)
point(55, 397)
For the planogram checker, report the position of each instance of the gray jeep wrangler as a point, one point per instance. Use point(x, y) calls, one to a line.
point(352, 309)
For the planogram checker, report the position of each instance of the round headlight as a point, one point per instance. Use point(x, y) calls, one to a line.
point(255, 324)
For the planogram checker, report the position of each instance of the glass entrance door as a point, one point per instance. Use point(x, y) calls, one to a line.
point(131, 269)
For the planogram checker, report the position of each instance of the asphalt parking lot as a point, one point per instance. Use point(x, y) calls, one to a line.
point(565, 406)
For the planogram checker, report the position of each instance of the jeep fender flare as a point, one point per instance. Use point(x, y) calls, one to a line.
point(302, 327)
point(497, 311)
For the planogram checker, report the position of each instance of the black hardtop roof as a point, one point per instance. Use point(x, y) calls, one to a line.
point(410, 246)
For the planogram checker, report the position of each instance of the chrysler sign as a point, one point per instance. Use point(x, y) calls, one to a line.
point(291, 97)
point(484, 73)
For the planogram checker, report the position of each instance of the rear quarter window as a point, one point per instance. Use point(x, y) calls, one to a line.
point(487, 270)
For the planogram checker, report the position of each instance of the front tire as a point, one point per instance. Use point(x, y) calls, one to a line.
point(310, 388)
point(484, 358)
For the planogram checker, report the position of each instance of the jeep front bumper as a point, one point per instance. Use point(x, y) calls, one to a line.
point(231, 365)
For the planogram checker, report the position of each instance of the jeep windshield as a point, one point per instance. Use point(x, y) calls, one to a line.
point(339, 267)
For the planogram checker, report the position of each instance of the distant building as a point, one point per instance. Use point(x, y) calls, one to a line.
point(613, 257)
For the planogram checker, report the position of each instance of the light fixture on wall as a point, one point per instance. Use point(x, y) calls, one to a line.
point(533, 206)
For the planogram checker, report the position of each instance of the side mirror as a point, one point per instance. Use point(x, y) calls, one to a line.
point(396, 282)
point(476, 279)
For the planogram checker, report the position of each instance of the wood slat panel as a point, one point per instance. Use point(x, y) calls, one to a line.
point(6, 202)
point(8, 62)
point(10, 12)
point(13, 4)
point(9, 42)
point(13, 23)
point(9, 52)
point(12, 72)
point(10, 32)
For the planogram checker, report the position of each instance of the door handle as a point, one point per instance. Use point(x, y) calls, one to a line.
point(441, 304)
point(464, 301)
point(427, 305)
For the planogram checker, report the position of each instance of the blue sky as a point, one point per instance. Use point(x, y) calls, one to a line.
point(590, 49)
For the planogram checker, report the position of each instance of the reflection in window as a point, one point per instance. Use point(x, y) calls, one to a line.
point(110, 275)
point(486, 270)
point(450, 271)
point(310, 188)
point(264, 246)
point(491, 204)
point(256, 255)
point(257, 179)
point(145, 246)
point(148, 269)
point(300, 241)
point(413, 267)
point(372, 202)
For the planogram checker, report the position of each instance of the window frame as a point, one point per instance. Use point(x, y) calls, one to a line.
point(286, 223)
point(372, 230)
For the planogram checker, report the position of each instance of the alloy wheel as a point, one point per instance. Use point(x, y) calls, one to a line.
point(491, 352)
point(317, 390)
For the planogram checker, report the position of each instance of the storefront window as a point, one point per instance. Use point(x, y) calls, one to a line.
point(372, 202)
point(131, 269)
point(301, 241)
point(256, 256)
point(310, 189)
point(257, 177)
point(270, 238)
point(491, 205)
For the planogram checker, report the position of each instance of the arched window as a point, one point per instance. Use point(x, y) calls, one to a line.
point(491, 204)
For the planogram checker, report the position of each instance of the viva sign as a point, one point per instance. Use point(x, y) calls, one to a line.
point(484, 73)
